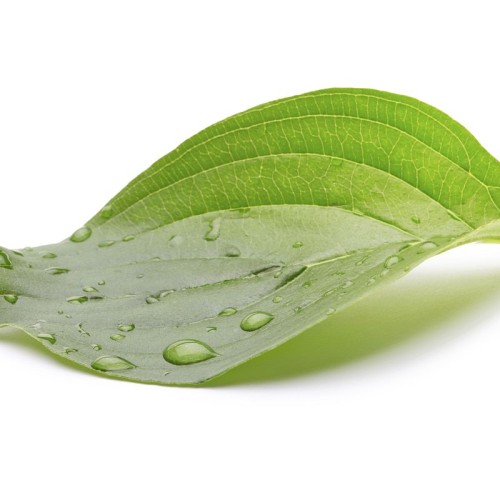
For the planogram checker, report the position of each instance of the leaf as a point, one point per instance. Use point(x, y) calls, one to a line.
point(253, 230)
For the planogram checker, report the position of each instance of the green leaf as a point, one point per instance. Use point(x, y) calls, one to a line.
point(253, 230)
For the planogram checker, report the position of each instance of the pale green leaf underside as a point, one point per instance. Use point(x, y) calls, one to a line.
point(274, 217)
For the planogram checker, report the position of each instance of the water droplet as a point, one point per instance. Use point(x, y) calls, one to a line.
point(11, 298)
point(48, 337)
point(106, 212)
point(277, 299)
point(214, 232)
point(56, 270)
point(232, 252)
point(49, 255)
point(89, 289)
point(126, 328)
point(77, 299)
point(140, 276)
point(211, 329)
point(415, 219)
point(68, 316)
point(187, 352)
point(370, 282)
point(105, 244)
point(391, 261)
point(278, 274)
point(307, 284)
point(426, 246)
point(101, 283)
point(337, 162)
point(69, 350)
point(165, 293)
point(362, 261)
point(111, 364)
point(298, 244)
point(151, 300)
point(347, 284)
point(5, 261)
point(255, 320)
point(453, 215)
point(96, 347)
point(129, 237)
point(60, 311)
point(229, 311)
point(81, 234)
point(117, 336)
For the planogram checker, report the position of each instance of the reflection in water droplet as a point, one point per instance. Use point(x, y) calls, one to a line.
point(229, 311)
point(232, 251)
point(211, 329)
point(106, 212)
point(415, 219)
point(5, 261)
point(10, 298)
point(77, 299)
point(391, 261)
point(49, 255)
point(214, 231)
point(81, 234)
point(96, 347)
point(277, 299)
point(56, 270)
point(129, 237)
point(255, 320)
point(89, 289)
point(126, 328)
point(111, 364)
point(117, 336)
point(187, 352)
point(298, 244)
point(105, 244)
point(48, 337)
point(426, 246)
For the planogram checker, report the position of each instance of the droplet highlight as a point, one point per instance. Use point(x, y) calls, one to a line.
point(81, 234)
point(111, 364)
point(11, 298)
point(187, 352)
point(126, 328)
point(391, 261)
point(229, 311)
point(107, 212)
point(255, 320)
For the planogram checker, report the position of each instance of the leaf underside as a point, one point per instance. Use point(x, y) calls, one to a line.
point(253, 230)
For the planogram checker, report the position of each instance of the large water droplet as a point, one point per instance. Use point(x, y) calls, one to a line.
point(126, 328)
point(11, 298)
point(77, 299)
point(391, 261)
point(214, 232)
point(5, 261)
point(117, 336)
point(56, 270)
point(111, 364)
point(228, 311)
point(47, 337)
point(106, 212)
point(255, 320)
point(187, 352)
point(81, 234)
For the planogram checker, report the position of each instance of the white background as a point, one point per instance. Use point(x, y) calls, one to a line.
point(396, 398)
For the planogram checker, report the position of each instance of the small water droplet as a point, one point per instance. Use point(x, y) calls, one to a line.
point(298, 244)
point(165, 293)
point(211, 329)
point(48, 337)
point(96, 347)
point(11, 298)
point(232, 252)
point(60, 311)
point(229, 311)
point(117, 336)
point(140, 276)
point(426, 246)
point(79, 299)
point(101, 283)
point(453, 215)
point(151, 300)
point(69, 350)
point(81, 234)
point(277, 299)
point(306, 284)
point(49, 255)
point(126, 328)
point(106, 212)
point(415, 219)
point(105, 244)
point(89, 289)
point(214, 232)
point(391, 261)
point(5, 261)
point(187, 352)
point(111, 364)
point(255, 320)
point(56, 270)
point(129, 237)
